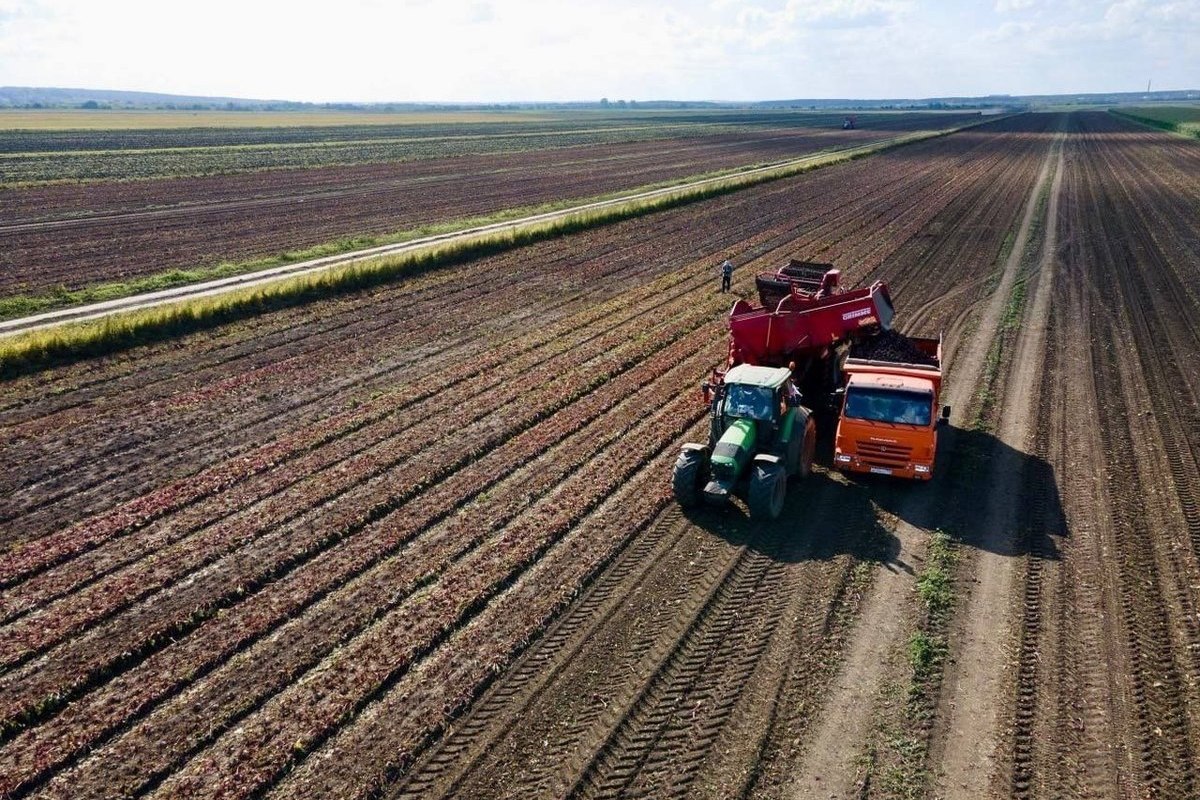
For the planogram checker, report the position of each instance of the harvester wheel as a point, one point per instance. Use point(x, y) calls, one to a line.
point(768, 488)
point(808, 449)
point(802, 448)
point(691, 469)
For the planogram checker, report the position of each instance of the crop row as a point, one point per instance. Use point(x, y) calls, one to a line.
point(239, 408)
point(368, 490)
point(123, 535)
point(434, 544)
point(309, 710)
point(370, 462)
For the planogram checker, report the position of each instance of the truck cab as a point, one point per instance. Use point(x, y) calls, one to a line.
point(889, 420)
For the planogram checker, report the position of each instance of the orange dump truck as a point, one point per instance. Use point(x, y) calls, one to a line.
point(888, 422)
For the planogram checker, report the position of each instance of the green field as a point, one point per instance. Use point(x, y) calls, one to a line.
point(1180, 119)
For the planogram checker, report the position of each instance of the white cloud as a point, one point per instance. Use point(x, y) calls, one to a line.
point(496, 50)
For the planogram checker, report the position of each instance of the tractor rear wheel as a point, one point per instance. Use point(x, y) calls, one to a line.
point(768, 489)
point(691, 471)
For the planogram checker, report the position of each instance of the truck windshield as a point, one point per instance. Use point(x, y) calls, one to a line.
point(889, 405)
point(749, 402)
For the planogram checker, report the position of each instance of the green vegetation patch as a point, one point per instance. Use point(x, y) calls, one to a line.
point(898, 756)
point(1184, 120)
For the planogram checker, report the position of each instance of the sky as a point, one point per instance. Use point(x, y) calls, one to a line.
point(559, 50)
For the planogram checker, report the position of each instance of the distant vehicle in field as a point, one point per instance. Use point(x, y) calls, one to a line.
point(849, 123)
point(810, 346)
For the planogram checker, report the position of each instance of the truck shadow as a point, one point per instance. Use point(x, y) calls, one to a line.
point(984, 494)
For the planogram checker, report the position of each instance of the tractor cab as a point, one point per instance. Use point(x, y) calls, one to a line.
point(757, 396)
point(759, 436)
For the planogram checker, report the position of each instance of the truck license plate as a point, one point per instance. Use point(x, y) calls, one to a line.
point(881, 470)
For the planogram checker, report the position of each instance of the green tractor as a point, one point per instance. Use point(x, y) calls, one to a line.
point(759, 437)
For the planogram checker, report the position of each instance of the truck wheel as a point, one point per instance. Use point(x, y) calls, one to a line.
point(688, 480)
point(768, 488)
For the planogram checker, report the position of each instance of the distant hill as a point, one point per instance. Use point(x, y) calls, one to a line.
point(992, 100)
point(32, 97)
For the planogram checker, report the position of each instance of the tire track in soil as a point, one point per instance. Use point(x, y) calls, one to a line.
point(653, 667)
point(1091, 720)
point(829, 765)
point(1112, 715)
point(1065, 719)
point(974, 683)
point(666, 550)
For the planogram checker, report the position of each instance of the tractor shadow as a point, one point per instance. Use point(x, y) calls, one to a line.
point(825, 516)
point(984, 495)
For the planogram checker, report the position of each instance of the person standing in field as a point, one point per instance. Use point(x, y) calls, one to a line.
point(726, 275)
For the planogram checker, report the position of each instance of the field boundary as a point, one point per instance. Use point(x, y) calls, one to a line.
point(29, 343)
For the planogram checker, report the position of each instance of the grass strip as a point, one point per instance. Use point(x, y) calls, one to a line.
point(989, 385)
point(34, 350)
point(906, 749)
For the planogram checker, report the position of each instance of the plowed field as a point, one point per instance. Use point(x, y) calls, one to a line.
point(77, 235)
point(418, 541)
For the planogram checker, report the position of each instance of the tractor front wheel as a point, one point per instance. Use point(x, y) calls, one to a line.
point(691, 469)
point(768, 488)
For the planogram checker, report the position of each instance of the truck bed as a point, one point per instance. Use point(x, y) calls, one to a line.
point(893, 347)
point(892, 353)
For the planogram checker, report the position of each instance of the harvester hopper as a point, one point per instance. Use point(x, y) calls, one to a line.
point(803, 313)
